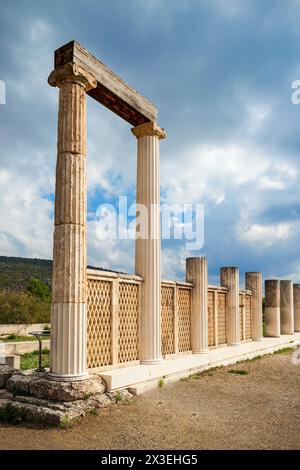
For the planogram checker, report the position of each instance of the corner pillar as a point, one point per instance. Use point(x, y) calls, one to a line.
point(68, 315)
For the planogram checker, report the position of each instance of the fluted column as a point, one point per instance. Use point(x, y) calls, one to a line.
point(296, 295)
point(286, 308)
point(196, 273)
point(147, 246)
point(272, 307)
point(253, 282)
point(68, 315)
point(230, 279)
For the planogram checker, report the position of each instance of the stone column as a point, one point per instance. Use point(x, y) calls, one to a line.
point(147, 245)
point(253, 282)
point(272, 307)
point(68, 317)
point(286, 308)
point(196, 273)
point(296, 295)
point(230, 280)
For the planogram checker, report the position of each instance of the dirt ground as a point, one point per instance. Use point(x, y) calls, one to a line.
point(217, 410)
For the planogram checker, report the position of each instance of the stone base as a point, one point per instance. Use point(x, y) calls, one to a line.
point(35, 398)
point(38, 385)
point(5, 374)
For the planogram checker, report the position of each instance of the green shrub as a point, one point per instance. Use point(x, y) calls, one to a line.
point(161, 382)
point(39, 289)
point(31, 360)
point(118, 396)
point(12, 337)
point(23, 307)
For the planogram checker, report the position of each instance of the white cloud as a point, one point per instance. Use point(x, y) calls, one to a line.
point(109, 254)
point(258, 235)
point(209, 172)
point(257, 115)
point(25, 216)
point(172, 261)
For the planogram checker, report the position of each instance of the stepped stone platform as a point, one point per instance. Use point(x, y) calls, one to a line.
point(35, 398)
point(141, 378)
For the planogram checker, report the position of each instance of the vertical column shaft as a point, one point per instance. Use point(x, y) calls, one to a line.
point(196, 273)
point(272, 307)
point(68, 315)
point(253, 282)
point(286, 308)
point(147, 246)
point(230, 280)
point(296, 295)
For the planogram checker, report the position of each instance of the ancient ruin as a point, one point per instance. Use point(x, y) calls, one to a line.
point(119, 332)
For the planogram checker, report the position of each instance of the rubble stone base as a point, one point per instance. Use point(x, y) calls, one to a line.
point(34, 398)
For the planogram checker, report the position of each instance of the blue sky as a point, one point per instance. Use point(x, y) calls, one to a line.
point(220, 72)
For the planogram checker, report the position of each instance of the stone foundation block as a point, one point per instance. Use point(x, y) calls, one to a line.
point(5, 374)
point(39, 386)
point(30, 409)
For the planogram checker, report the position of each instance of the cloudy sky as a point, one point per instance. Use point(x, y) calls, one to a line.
point(220, 72)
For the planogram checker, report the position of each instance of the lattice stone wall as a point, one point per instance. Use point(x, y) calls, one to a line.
point(248, 330)
point(184, 319)
point(211, 318)
point(221, 318)
point(113, 317)
point(245, 316)
point(128, 322)
point(99, 322)
point(241, 309)
point(167, 319)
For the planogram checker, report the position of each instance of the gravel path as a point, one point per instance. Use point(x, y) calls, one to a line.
point(218, 410)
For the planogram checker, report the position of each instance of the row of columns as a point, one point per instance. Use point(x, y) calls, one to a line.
point(282, 307)
point(197, 274)
point(69, 316)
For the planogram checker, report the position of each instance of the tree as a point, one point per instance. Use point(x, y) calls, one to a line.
point(39, 290)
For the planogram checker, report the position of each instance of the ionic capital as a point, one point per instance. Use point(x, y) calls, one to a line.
point(149, 129)
point(73, 73)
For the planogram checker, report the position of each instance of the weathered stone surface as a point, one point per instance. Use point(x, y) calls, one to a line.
point(5, 394)
point(253, 282)
point(196, 273)
point(296, 295)
point(67, 391)
point(230, 280)
point(111, 90)
point(15, 409)
point(119, 395)
point(5, 374)
point(68, 317)
point(272, 307)
point(286, 307)
point(41, 387)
